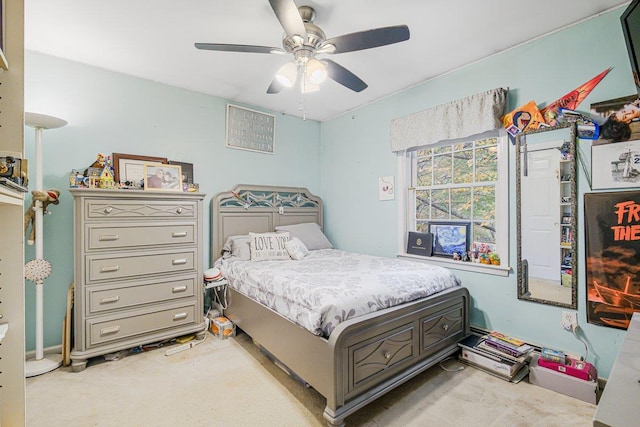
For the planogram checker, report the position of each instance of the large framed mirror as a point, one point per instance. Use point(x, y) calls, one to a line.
point(546, 216)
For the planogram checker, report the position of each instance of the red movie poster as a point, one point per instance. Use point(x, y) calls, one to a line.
point(612, 227)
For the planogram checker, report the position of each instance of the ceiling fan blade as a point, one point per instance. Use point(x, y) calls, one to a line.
point(289, 17)
point(238, 48)
point(343, 76)
point(275, 87)
point(368, 39)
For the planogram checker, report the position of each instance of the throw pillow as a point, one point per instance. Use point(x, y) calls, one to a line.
point(296, 249)
point(268, 246)
point(310, 234)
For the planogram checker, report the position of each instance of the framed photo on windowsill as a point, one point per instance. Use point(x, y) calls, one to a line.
point(128, 169)
point(450, 237)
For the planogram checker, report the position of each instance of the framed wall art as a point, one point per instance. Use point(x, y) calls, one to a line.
point(128, 169)
point(162, 177)
point(450, 237)
point(250, 130)
point(612, 237)
point(615, 165)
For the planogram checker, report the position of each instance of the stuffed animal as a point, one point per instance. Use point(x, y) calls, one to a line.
point(47, 198)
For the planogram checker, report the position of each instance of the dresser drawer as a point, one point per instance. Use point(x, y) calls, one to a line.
point(101, 331)
point(108, 236)
point(442, 328)
point(135, 264)
point(128, 209)
point(380, 355)
point(114, 297)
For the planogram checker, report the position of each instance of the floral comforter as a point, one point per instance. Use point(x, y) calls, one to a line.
point(329, 286)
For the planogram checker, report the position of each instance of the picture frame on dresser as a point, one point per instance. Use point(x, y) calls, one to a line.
point(162, 177)
point(130, 167)
point(187, 171)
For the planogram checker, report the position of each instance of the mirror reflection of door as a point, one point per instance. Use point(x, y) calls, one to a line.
point(540, 213)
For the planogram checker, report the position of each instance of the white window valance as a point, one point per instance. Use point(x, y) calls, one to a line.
point(465, 117)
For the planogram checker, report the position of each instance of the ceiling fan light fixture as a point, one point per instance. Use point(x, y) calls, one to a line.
point(316, 71)
point(307, 86)
point(287, 74)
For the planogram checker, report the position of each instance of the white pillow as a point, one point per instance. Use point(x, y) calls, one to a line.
point(268, 246)
point(296, 249)
point(237, 246)
point(310, 234)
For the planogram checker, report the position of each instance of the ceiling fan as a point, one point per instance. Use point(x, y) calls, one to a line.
point(305, 40)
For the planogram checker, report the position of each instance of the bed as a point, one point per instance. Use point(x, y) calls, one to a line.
point(351, 362)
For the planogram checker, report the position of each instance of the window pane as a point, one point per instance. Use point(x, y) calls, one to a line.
point(442, 150)
point(422, 204)
point(440, 207)
point(484, 202)
point(461, 203)
point(484, 232)
point(421, 227)
point(424, 171)
point(458, 182)
point(442, 169)
point(486, 142)
point(487, 164)
point(463, 146)
point(463, 167)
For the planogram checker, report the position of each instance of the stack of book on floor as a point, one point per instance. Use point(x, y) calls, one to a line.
point(497, 354)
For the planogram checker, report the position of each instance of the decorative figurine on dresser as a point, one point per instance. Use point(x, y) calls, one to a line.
point(137, 267)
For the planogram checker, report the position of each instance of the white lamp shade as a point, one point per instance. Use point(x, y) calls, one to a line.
point(316, 71)
point(287, 74)
point(42, 121)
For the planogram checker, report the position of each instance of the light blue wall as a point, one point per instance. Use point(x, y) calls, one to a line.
point(110, 112)
point(340, 159)
point(356, 151)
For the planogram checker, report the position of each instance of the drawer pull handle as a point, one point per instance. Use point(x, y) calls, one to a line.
point(177, 289)
point(179, 316)
point(111, 330)
point(179, 234)
point(445, 327)
point(108, 210)
point(108, 237)
point(110, 299)
point(387, 355)
point(179, 210)
point(109, 269)
point(181, 261)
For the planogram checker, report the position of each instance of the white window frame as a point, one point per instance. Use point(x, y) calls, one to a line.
point(406, 211)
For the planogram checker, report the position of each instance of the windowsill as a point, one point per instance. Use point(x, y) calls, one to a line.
point(475, 267)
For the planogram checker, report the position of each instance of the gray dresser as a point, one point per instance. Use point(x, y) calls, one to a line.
point(137, 267)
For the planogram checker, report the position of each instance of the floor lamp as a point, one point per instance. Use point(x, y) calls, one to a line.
point(39, 269)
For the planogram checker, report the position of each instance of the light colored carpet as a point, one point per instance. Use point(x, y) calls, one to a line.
point(230, 383)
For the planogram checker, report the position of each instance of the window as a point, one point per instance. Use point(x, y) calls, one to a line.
point(463, 181)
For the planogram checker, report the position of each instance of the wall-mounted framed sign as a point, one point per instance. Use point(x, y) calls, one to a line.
point(250, 130)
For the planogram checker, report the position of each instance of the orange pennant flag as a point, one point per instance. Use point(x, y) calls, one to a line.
point(571, 100)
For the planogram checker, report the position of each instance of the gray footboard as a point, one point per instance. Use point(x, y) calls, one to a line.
point(364, 357)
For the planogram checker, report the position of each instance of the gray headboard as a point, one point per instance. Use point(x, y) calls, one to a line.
point(259, 209)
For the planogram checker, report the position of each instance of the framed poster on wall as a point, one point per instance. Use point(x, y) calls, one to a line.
point(615, 165)
point(612, 236)
point(250, 130)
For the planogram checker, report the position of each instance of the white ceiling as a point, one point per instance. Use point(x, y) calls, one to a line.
point(154, 39)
